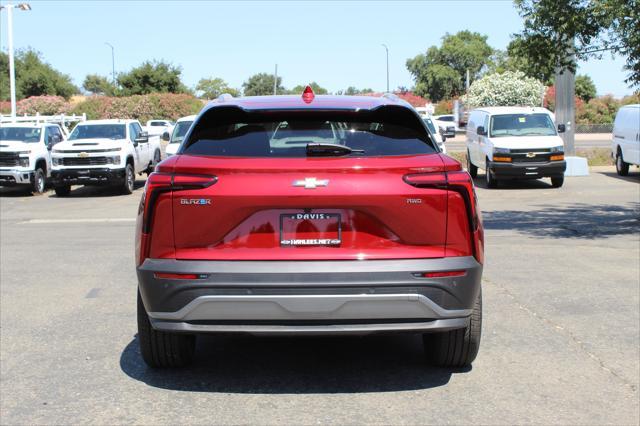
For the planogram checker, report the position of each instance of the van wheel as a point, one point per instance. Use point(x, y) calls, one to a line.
point(557, 182)
point(492, 182)
point(129, 179)
point(473, 170)
point(621, 167)
point(160, 349)
point(38, 186)
point(456, 348)
point(62, 191)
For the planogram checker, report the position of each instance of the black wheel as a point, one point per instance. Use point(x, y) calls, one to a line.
point(492, 182)
point(456, 348)
point(156, 159)
point(160, 349)
point(557, 182)
point(62, 191)
point(38, 185)
point(129, 179)
point(473, 170)
point(621, 167)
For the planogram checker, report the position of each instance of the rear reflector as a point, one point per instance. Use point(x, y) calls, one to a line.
point(443, 274)
point(165, 276)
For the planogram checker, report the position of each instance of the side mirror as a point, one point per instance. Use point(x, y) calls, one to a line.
point(49, 145)
point(165, 136)
point(562, 128)
point(444, 138)
point(143, 137)
point(481, 131)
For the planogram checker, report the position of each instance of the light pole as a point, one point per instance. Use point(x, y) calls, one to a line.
point(12, 70)
point(113, 64)
point(387, 49)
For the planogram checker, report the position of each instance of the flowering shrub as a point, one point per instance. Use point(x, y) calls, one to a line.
point(444, 107)
point(505, 89)
point(600, 110)
point(5, 107)
point(43, 105)
point(140, 107)
point(550, 99)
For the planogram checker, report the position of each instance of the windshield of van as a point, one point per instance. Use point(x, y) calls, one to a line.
point(22, 134)
point(179, 131)
point(98, 131)
point(539, 124)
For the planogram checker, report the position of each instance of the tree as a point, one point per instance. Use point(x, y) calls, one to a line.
point(317, 89)
point(152, 77)
point(262, 84)
point(554, 28)
point(34, 77)
point(352, 91)
point(441, 71)
point(585, 88)
point(506, 89)
point(211, 88)
point(98, 84)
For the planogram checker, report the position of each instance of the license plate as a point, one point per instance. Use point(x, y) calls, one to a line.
point(310, 229)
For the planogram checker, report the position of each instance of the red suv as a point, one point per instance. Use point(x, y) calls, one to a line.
point(292, 215)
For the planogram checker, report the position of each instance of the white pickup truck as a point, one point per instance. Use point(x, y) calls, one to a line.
point(104, 152)
point(158, 127)
point(25, 158)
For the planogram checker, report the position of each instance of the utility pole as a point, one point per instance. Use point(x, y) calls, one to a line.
point(275, 82)
point(387, 49)
point(467, 83)
point(565, 107)
point(12, 69)
point(113, 63)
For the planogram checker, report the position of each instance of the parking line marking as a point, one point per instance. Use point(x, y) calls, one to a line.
point(80, 220)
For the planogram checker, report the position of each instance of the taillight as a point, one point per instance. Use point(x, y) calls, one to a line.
point(442, 274)
point(170, 276)
point(159, 183)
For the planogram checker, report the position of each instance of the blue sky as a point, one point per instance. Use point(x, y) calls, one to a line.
point(337, 44)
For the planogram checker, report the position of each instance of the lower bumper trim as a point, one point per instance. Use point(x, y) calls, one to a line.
point(87, 176)
point(528, 170)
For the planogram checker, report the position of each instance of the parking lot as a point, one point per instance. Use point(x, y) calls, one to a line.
point(559, 345)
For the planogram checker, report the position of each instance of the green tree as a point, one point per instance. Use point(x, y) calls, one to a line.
point(262, 84)
point(440, 72)
point(98, 84)
point(353, 91)
point(317, 89)
point(211, 88)
point(152, 77)
point(552, 28)
point(34, 77)
point(585, 88)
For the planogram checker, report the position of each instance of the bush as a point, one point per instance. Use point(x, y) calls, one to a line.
point(600, 110)
point(5, 107)
point(140, 107)
point(43, 105)
point(550, 100)
point(443, 107)
point(505, 89)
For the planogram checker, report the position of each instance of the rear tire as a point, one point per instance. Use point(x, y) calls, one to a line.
point(39, 182)
point(473, 170)
point(557, 181)
point(492, 182)
point(456, 348)
point(622, 168)
point(160, 349)
point(129, 180)
point(62, 191)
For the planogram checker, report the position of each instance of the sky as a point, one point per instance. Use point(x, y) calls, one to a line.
point(337, 44)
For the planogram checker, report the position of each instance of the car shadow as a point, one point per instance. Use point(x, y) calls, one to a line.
point(579, 220)
point(97, 191)
point(299, 365)
point(15, 191)
point(481, 182)
point(631, 177)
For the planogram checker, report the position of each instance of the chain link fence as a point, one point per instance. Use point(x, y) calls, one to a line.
point(594, 128)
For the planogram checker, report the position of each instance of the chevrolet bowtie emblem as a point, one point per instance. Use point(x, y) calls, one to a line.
point(531, 154)
point(311, 183)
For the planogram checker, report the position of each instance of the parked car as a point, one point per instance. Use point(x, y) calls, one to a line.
point(158, 127)
point(374, 232)
point(625, 147)
point(179, 131)
point(104, 152)
point(25, 158)
point(447, 124)
point(435, 133)
point(515, 143)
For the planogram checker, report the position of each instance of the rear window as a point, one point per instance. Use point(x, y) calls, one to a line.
point(229, 131)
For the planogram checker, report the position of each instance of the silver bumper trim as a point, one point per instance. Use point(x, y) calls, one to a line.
point(18, 175)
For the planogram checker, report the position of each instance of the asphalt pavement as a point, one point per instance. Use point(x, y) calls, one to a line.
point(560, 341)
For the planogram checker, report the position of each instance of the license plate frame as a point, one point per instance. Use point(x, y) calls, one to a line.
point(310, 242)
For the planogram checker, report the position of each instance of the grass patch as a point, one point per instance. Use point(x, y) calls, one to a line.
point(595, 156)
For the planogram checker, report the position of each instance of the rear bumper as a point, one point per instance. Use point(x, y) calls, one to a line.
point(9, 177)
point(527, 170)
point(309, 297)
point(97, 176)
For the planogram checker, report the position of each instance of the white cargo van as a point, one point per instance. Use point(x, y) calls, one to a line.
point(177, 135)
point(515, 143)
point(626, 138)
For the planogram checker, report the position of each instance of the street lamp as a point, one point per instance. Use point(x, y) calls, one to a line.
point(12, 71)
point(387, 49)
point(113, 63)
